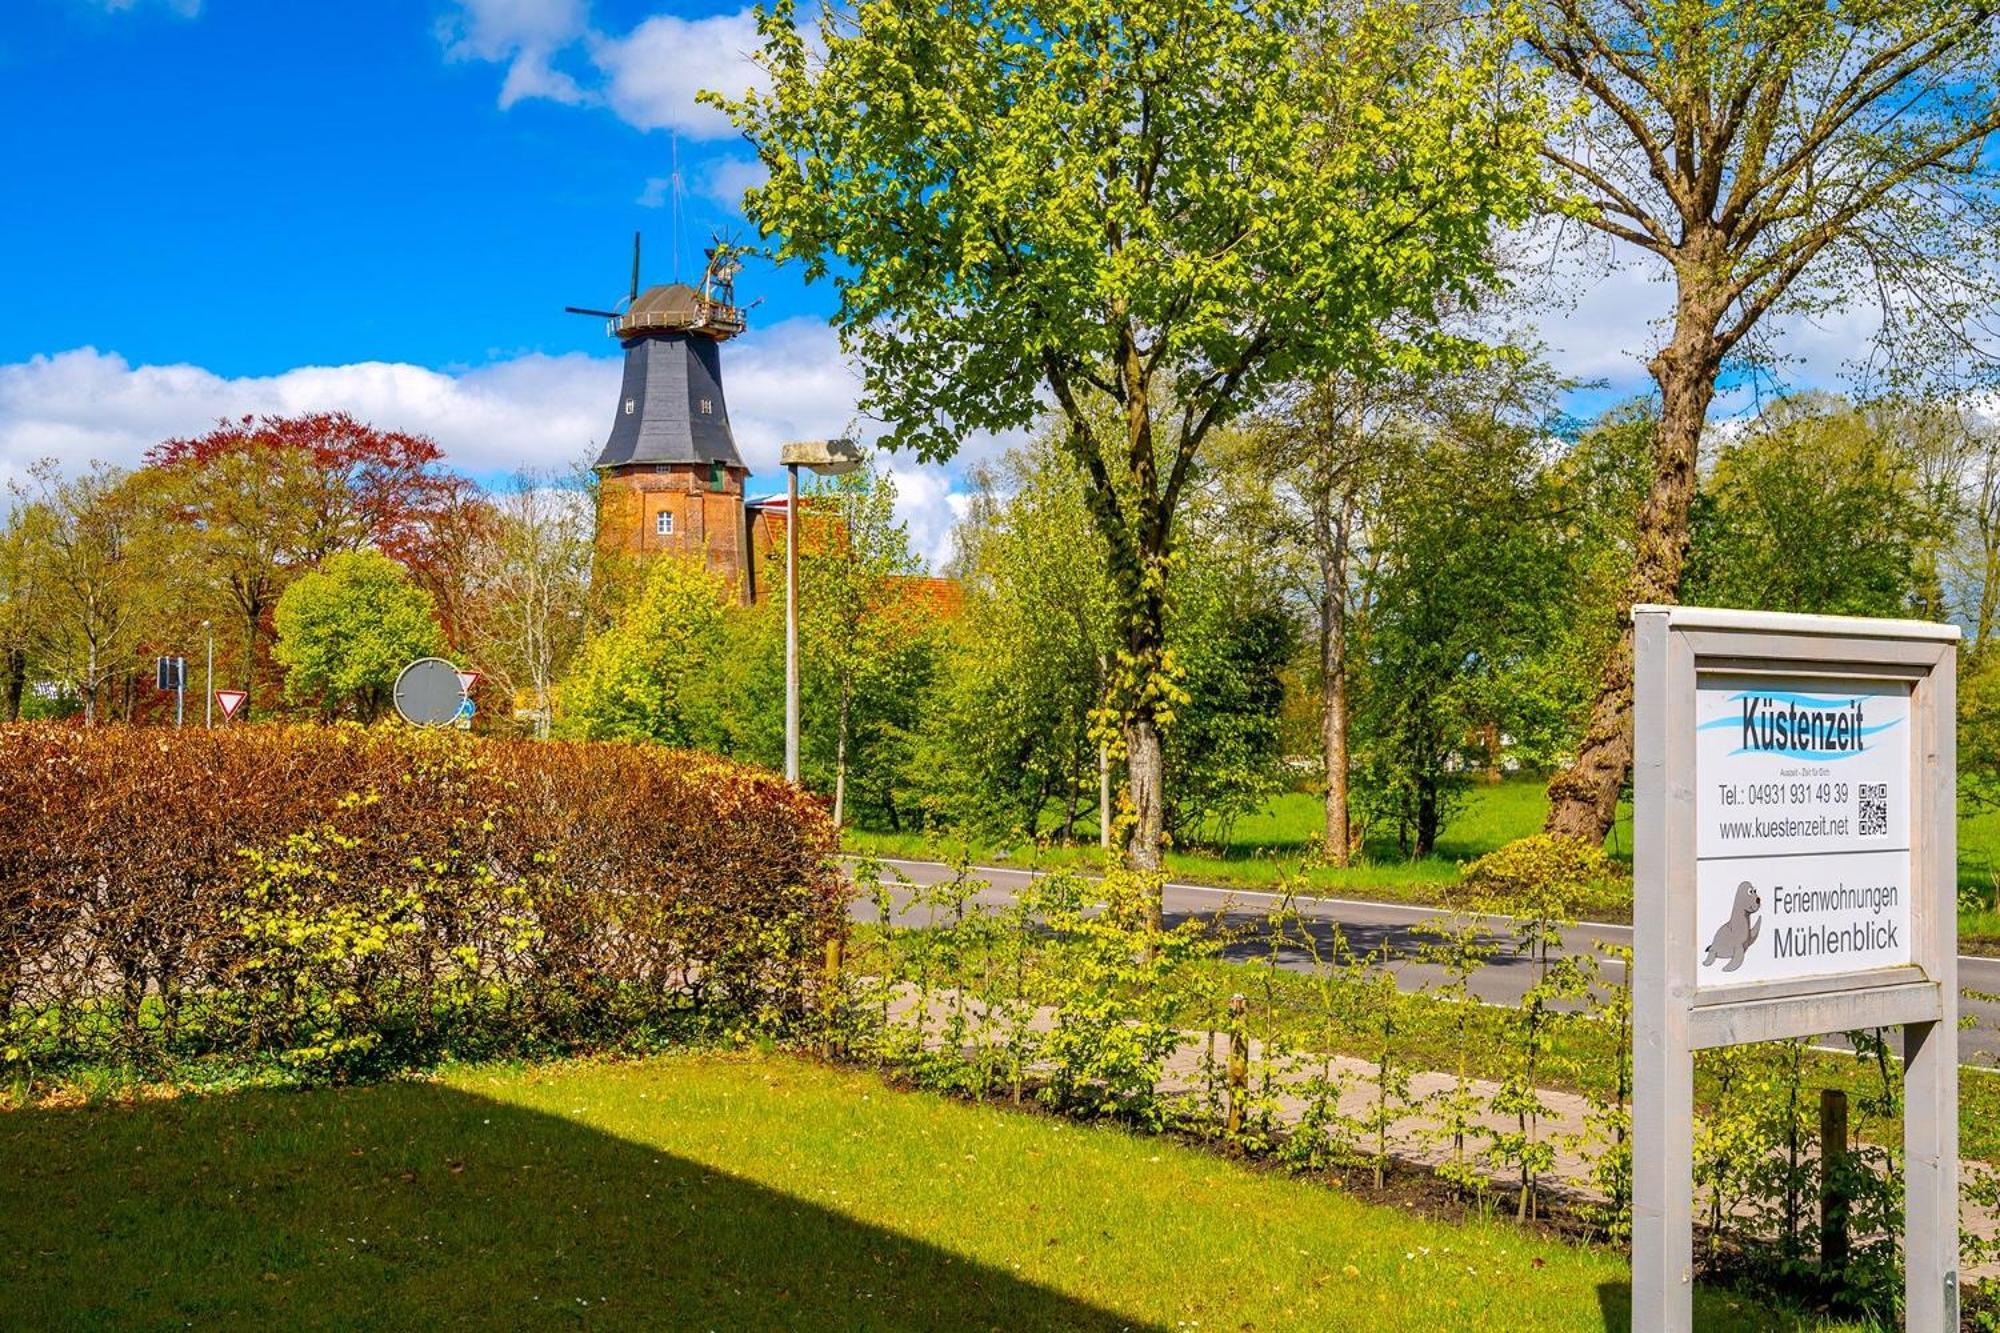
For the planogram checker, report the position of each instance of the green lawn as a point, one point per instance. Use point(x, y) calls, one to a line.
point(711, 1192)
point(1271, 843)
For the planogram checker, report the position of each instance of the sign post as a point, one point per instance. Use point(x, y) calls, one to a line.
point(1795, 873)
point(170, 673)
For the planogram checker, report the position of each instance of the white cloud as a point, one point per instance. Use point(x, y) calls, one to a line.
point(526, 35)
point(1603, 309)
point(86, 405)
point(928, 505)
point(786, 381)
point(653, 72)
point(648, 77)
point(725, 180)
point(722, 180)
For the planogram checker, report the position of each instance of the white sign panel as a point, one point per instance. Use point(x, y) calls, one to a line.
point(1802, 800)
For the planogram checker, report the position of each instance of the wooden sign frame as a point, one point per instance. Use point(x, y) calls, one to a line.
point(1674, 647)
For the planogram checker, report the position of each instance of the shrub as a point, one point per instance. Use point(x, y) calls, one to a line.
point(350, 901)
point(346, 628)
point(640, 678)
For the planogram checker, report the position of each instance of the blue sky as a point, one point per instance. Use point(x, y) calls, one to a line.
point(253, 186)
point(226, 206)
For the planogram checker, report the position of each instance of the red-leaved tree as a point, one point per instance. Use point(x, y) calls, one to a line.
point(263, 498)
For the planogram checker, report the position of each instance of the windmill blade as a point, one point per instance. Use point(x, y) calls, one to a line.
point(635, 266)
point(581, 310)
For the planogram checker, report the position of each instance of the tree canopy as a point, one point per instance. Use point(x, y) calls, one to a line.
point(347, 628)
point(1788, 158)
point(1149, 214)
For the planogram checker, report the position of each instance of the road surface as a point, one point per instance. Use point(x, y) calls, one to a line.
point(1369, 925)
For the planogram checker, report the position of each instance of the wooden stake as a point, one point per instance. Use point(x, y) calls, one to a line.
point(1832, 1183)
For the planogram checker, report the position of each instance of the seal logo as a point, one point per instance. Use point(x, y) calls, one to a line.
point(1734, 937)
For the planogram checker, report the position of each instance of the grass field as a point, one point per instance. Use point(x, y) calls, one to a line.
point(1272, 842)
point(750, 1192)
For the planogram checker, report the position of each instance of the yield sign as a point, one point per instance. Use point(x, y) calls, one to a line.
point(466, 680)
point(231, 700)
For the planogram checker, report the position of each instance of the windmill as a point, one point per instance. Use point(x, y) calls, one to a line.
point(671, 451)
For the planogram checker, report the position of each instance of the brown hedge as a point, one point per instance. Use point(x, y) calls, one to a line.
point(349, 899)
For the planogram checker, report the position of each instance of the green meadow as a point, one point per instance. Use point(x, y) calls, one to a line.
point(742, 1192)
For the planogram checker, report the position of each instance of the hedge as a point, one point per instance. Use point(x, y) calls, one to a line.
point(347, 901)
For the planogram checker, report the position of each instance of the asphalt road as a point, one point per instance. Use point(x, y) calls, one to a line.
point(1369, 925)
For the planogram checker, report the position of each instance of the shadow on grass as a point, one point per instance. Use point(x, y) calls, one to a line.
point(411, 1205)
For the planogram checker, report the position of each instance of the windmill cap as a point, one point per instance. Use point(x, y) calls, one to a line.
point(675, 306)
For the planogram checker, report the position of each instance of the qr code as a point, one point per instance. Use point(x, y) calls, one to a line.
point(1874, 809)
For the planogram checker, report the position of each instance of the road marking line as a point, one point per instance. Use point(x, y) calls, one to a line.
point(1414, 909)
point(1973, 958)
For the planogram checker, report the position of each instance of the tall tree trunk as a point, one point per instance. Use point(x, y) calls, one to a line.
point(17, 683)
point(1989, 551)
point(1428, 817)
point(1145, 765)
point(1583, 798)
point(1336, 842)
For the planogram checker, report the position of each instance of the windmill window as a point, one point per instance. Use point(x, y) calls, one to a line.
point(628, 407)
point(707, 408)
point(663, 524)
point(715, 476)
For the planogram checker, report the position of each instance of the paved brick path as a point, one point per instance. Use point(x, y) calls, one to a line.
point(1415, 1136)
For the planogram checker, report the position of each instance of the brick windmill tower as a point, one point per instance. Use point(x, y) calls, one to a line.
point(671, 479)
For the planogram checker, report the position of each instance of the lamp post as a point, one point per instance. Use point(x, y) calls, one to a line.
point(828, 458)
point(208, 692)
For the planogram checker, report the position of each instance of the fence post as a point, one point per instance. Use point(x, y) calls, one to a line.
point(1239, 1064)
point(836, 957)
point(1832, 1182)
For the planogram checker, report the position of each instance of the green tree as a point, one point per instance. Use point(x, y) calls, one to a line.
point(867, 639)
point(641, 679)
point(1775, 159)
point(1232, 639)
point(1817, 508)
point(1010, 735)
point(90, 552)
point(1009, 728)
point(1595, 485)
point(1465, 582)
point(1329, 451)
point(346, 629)
point(1319, 446)
point(17, 600)
point(1973, 562)
point(1162, 210)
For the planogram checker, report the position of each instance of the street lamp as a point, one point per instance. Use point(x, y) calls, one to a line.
point(208, 694)
point(828, 458)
